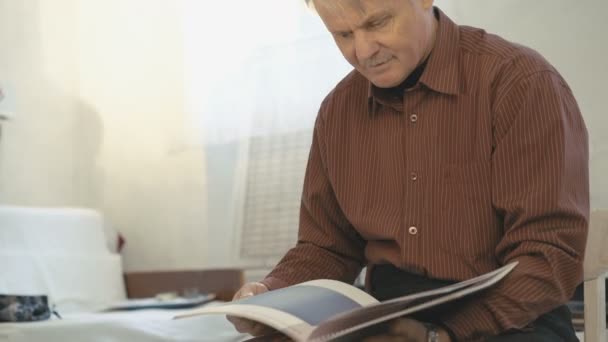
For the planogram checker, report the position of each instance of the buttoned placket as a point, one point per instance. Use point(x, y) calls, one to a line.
point(413, 208)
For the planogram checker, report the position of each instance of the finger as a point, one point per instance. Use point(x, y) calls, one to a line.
point(235, 319)
point(408, 328)
point(243, 293)
point(237, 295)
point(401, 326)
point(278, 337)
point(250, 289)
point(241, 325)
point(255, 289)
point(245, 327)
point(261, 329)
point(384, 338)
point(285, 338)
point(232, 319)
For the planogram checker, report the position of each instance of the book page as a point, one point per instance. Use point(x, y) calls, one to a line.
point(296, 309)
point(359, 296)
point(285, 323)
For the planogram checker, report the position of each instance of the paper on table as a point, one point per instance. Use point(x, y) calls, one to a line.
point(154, 303)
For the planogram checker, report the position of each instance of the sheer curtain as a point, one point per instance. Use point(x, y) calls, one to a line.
point(256, 67)
point(255, 73)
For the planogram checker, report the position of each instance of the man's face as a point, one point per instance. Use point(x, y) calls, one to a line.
point(384, 40)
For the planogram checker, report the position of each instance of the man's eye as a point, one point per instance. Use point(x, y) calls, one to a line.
point(344, 34)
point(377, 23)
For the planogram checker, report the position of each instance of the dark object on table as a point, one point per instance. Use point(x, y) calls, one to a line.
point(16, 308)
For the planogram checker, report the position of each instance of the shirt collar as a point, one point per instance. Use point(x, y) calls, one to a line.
point(442, 73)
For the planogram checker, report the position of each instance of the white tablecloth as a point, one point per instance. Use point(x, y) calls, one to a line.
point(131, 326)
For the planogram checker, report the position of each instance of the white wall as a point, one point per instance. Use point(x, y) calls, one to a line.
point(37, 150)
point(101, 123)
point(153, 183)
point(572, 36)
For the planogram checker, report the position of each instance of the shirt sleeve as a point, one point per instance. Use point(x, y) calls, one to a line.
point(540, 187)
point(328, 246)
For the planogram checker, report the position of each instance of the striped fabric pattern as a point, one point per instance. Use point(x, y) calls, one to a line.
point(483, 162)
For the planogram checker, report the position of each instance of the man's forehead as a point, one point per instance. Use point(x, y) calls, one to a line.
point(362, 6)
point(336, 11)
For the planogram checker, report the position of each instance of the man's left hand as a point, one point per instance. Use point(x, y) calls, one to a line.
point(405, 329)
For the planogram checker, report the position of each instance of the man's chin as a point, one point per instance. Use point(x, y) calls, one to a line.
point(388, 79)
point(385, 83)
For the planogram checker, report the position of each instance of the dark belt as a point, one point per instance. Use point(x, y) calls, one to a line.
point(388, 281)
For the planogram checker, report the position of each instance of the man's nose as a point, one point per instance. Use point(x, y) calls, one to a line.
point(365, 46)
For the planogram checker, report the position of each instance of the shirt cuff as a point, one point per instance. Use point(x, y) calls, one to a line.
point(473, 322)
point(273, 283)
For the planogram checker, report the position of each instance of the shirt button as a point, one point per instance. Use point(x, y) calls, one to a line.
point(414, 176)
point(413, 230)
point(413, 118)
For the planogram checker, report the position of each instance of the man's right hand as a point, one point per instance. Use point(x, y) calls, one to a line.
point(245, 325)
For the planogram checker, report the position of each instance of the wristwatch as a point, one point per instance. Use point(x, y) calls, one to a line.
point(431, 333)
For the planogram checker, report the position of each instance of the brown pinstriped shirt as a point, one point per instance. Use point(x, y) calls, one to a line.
point(483, 162)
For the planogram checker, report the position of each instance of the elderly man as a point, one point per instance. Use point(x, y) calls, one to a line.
point(445, 154)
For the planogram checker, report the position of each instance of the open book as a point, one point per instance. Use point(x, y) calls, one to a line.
point(322, 310)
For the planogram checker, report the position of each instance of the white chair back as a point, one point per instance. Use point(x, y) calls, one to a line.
point(596, 267)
